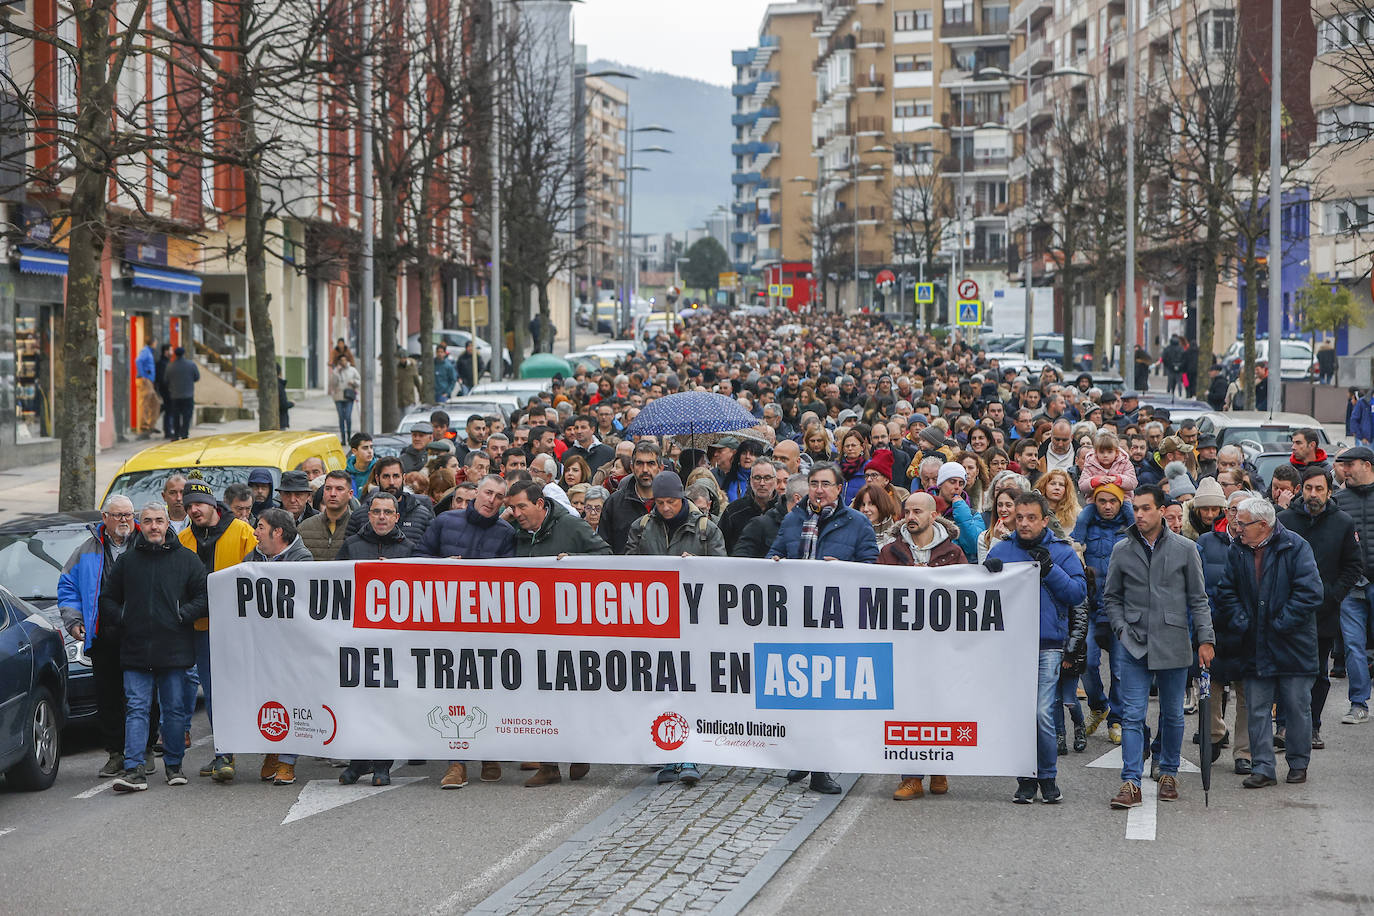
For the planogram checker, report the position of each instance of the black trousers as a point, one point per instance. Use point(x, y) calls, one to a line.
point(109, 695)
point(182, 411)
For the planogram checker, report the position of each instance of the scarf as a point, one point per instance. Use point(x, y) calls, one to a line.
point(811, 529)
point(853, 466)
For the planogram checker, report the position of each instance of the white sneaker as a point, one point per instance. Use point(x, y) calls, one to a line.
point(1358, 715)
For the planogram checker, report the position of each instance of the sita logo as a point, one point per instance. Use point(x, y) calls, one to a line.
point(273, 721)
point(670, 731)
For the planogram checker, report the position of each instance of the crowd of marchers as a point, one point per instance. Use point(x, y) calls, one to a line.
point(1159, 554)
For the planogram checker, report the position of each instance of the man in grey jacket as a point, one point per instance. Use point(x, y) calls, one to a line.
point(1154, 585)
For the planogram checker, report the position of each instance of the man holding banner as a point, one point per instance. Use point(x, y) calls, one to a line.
point(1063, 587)
point(822, 529)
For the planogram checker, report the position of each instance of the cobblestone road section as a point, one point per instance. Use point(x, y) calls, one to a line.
point(674, 849)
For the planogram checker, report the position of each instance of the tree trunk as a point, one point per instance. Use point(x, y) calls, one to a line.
point(1251, 269)
point(427, 274)
point(1066, 314)
point(1102, 357)
point(545, 321)
point(513, 322)
point(255, 265)
point(77, 409)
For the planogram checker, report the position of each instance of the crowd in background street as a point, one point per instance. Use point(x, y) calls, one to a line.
point(873, 444)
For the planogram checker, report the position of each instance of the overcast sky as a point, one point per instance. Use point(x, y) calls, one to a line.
point(685, 37)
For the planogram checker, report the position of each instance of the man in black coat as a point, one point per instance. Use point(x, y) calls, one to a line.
point(762, 495)
point(182, 375)
point(379, 537)
point(631, 498)
point(416, 511)
point(152, 597)
point(1330, 533)
point(762, 531)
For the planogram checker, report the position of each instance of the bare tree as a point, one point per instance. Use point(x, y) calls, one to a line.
point(831, 241)
point(922, 203)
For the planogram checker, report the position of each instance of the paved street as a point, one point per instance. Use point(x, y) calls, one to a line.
point(616, 842)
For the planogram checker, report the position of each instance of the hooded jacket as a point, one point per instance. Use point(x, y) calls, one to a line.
point(1319, 460)
point(1061, 589)
point(153, 596)
point(468, 534)
point(369, 545)
point(1094, 471)
point(1331, 535)
point(358, 474)
point(1269, 622)
point(78, 588)
point(653, 536)
point(943, 550)
point(561, 532)
point(295, 552)
point(223, 545)
point(416, 514)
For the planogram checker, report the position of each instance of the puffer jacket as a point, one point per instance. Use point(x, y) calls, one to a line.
point(561, 532)
point(416, 514)
point(323, 543)
point(468, 534)
point(1099, 536)
point(295, 552)
point(1093, 472)
point(897, 552)
point(1331, 535)
point(846, 535)
point(1214, 547)
point(153, 596)
point(78, 588)
point(369, 545)
point(1063, 587)
point(1270, 623)
point(1357, 501)
point(696, 534)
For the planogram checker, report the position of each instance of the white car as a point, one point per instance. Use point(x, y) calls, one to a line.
point(1258, 431)
point(457, 339)
point(1295, 358)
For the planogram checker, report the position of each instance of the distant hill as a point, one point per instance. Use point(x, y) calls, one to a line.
point(685, 187)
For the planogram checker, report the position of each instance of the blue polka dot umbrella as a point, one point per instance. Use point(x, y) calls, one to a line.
point(690, 413)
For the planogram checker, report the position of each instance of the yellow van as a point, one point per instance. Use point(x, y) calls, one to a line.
point(222, 460)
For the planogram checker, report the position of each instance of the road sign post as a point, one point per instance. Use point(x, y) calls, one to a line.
point(469, 307)
point(969, 313)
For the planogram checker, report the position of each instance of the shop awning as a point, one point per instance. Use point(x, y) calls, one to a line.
point(170, 281)
point(42, 261)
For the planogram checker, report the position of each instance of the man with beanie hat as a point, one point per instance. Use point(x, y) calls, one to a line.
point(1180, 484)
point(950, 485)
point(221, 541)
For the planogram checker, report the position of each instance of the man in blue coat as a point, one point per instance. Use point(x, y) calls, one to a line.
point(78, 600)
point(1063, 587)
point(820, 528)
point(1101, 524)
point(1267, 604)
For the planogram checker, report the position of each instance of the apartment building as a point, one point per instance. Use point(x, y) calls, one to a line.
point(600, 215)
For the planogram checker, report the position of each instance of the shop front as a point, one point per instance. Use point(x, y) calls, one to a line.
point(32, 292)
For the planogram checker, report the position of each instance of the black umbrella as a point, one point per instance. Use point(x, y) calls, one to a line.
point(1204, 727)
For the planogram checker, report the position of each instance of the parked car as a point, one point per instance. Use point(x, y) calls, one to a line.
point(1258, 431)
point(222, 460)
point(458, 410)
point(33, 695)
point(1266, 462)
point(616, 349)
point(522, 389)
point(34, 549)
point(1297, 362)
point(1179, 409)
point(591, 360)
point(457, 339)
point(606, 316)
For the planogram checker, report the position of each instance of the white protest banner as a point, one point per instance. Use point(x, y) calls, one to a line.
point(797, 664)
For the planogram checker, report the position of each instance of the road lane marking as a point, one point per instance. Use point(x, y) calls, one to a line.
point(320, 795)
point(1112, 761)
point(1140, 822)
point(94, 790)
point(5, 830)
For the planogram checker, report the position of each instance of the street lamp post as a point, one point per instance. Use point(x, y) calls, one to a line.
point(626, 311)
point(1275, 214)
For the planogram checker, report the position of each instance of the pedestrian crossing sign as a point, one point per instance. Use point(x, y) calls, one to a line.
point(969, 312)
point(925, 293)
point(773, 290)
point(786, 291)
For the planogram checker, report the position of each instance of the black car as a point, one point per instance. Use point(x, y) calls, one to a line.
point(33, 695)
point(33, 551)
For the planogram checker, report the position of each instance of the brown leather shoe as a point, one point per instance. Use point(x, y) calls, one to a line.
point(1168, 788)
point(577, 770)
point(527, 765)
point(269, 768)
point(546, 775)
point(491, 771)
point(1128, 797)
point(939, 785)
point(456, 777)
point(909, 789)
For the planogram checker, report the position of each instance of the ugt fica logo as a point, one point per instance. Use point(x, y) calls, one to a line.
point(273, 721)
point(670, 731)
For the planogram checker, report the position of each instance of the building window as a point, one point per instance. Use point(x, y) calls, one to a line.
point(66, 64)
point(1219, 31)
point(912, 21)
point(958, 12)
point(913, 109)
point(924, 153)
point(924, 63)
point(904, 63)
point(1345, 123)
point(1340, 32)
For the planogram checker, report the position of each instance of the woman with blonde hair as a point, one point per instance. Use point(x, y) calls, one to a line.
point(1058, 489)
point(977, 477)
point(1002, 524)
point(704, 476)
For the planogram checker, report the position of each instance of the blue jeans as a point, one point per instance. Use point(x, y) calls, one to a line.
point(345, 409)
point(1355, 628)
point(201, 673)
point(1068, 697)
point(1135, 697)
point(170, 684)
point(1293, 694)
point(1046, 699)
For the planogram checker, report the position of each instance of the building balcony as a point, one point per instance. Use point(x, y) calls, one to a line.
point(750, 118)
point(865, 82)
point(769, 186)
point(746, 178)
point(1037, 57)
point(974, 164)
point(753, 148)
point(743, 207)
point(872, 38)
point(742, 58)
point(1034, 10)
point(740, 237)
point(1038, 108)
point(871, 126)
point(768, 255)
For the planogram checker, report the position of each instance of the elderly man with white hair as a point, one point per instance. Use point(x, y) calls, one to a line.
point(1266, 604)
point(544, 469)
point(78, 600)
